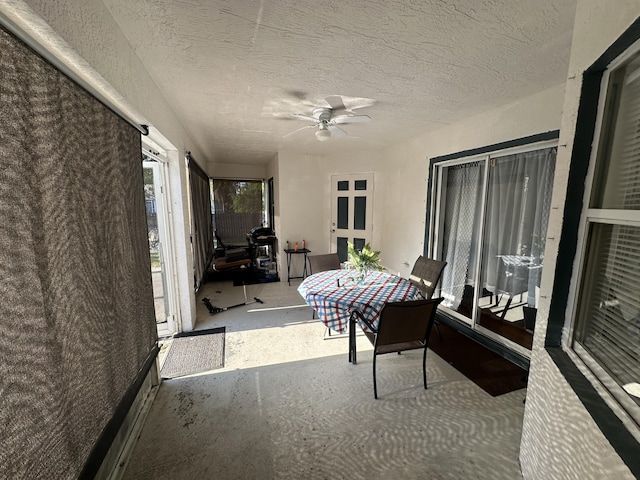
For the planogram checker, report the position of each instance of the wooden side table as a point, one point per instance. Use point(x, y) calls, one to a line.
point(292, 251)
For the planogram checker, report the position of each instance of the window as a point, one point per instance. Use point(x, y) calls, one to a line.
point(606, 333)
point(238, 206)
point(489, 223)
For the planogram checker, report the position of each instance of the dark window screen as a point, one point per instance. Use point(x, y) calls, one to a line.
point(237, 208)
point(78, 320)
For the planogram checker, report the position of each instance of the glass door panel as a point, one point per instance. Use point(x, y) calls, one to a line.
point(461, 193)
point(159, 248)
point(490, 225)
point(516, 219)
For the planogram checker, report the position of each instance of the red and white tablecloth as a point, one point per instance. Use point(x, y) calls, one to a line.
point(334, 295)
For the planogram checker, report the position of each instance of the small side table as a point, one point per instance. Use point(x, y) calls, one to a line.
point(292, 251)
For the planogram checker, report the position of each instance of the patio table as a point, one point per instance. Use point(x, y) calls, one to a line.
point(341, 302)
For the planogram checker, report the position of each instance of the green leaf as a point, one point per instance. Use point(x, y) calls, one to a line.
point(365, 259)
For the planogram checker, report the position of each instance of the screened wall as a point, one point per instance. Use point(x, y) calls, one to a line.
point(78, 326)
point(238, 206)
point(202, 236)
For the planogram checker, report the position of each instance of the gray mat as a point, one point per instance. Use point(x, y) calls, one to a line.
point(194, 352)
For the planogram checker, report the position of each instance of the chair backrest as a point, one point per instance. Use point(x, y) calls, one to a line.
point(322, 263)
point(426, 274)
point(405, 322)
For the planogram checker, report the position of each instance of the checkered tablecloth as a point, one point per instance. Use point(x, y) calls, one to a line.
point(335, 303)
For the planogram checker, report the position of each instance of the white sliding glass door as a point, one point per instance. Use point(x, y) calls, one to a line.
point(490, 220)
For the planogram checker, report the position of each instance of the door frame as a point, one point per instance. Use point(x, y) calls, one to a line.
point(165, 248)
point(351, 232)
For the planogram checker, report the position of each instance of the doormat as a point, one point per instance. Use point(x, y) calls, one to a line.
point(194, 352)
point(491, 372)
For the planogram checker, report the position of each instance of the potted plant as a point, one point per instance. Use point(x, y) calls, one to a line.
point(363, 261)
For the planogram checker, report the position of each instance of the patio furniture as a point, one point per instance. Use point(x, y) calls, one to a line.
point(323, 263)
point(425, 276)
point(516, 274)
point(300, 251)
point(340, 301)
point(402, 326)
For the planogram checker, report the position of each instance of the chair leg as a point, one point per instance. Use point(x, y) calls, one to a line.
point(424, 367)
point(375, 387)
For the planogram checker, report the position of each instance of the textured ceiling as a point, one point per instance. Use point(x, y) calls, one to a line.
point(234, 71)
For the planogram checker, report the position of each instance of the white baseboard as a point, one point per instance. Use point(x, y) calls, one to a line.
point(117, 459)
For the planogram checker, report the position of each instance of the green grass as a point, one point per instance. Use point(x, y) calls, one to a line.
point(155, 259)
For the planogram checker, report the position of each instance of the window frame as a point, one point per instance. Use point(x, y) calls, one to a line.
point(589, 392)
point(514, 352)
point(610, 391)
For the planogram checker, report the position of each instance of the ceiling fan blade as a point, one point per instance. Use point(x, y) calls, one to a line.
point(336, 132)
point(301, 116)
point(336, 103)
point(298, 130)
point(351, 119)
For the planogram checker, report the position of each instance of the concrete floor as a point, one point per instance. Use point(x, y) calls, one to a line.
point(288, 405)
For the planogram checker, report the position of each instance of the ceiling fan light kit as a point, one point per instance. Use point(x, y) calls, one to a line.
point(323, 133)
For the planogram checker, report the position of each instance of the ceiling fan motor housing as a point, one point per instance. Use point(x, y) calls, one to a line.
point(323, 115)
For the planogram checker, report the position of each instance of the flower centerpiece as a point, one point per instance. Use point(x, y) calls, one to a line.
point(363, 261)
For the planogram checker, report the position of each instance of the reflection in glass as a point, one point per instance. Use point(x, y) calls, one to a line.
point(516, 219)
point(611, 303)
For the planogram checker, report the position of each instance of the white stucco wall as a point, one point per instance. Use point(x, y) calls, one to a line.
point(400, 178)
point(560, 439)
point(233, 171)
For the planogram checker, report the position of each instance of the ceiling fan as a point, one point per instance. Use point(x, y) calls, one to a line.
point(327, 119)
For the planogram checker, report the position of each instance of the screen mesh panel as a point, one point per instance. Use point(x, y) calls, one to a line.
point(77, 304)
point(202, 238)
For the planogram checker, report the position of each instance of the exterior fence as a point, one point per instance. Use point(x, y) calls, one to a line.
point(233, 228)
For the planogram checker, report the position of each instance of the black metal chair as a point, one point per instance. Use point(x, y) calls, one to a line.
point(322, 263)
point(402, 326)
point(425, 276)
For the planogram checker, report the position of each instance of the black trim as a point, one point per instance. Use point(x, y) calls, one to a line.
point(14, 30)
point(108, 435)
point(496, 147)
point(568, 244)
point(506, 353)
point(496, 347)
point(538, 137)
point(625, 445)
